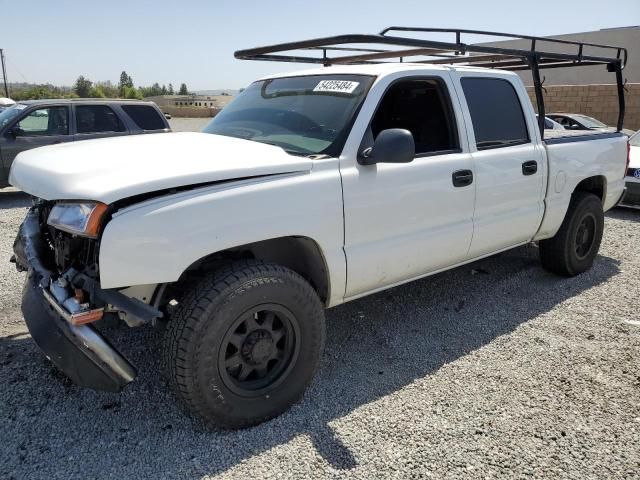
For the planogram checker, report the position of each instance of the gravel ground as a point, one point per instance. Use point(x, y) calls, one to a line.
point(179, 124)
point(496, 369)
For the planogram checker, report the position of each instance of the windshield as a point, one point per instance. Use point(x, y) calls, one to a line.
point(634, 141)
point(589, 122)
point(304, 115)
point(10, 113)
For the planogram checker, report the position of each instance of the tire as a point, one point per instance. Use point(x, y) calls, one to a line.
point(575, 246)
point(244, 344)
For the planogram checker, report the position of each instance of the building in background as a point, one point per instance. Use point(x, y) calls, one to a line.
point(191, 105)
point(589, 90)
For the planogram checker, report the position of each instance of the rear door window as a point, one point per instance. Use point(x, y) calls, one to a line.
point(145, 117)
point(45, 122)
point(97, 119)
point(496, 112)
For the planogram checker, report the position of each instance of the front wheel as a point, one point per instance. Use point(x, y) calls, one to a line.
point(244, 344)
point(575, 246)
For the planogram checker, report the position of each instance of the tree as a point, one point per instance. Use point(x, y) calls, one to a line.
point(109, 89)
point(183, 89)
point(125, 82)
point(132, 93)
point(82, 87)
point(170, 89)
point(96, 92)
point(156, 90)
point(164, 90)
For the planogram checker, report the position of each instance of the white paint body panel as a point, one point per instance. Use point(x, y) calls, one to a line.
point(155, 241)
point(376, 226)
point(575, 161)
point(402, 220)
point(509, 205)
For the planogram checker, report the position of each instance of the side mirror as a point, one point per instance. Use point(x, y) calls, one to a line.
point(394, 145)
point(16, 132)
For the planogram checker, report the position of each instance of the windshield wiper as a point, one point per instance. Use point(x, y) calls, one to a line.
point(292, 152)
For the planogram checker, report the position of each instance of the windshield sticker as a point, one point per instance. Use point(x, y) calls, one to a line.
point(337, 86)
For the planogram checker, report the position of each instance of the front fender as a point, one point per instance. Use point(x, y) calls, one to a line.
point(157, 240)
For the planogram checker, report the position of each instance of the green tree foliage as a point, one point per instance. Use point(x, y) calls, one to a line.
point(82, 87)
point(109, 89)
point(85, 88)
point(96, 92)
point(37, 92)
point(132, 93)
point(125, 82)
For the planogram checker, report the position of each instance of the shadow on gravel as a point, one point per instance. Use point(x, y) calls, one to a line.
point(624, 213)
point(13, 199)
point(375, 346)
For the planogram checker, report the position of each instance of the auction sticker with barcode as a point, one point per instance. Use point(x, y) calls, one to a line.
point(338, 86)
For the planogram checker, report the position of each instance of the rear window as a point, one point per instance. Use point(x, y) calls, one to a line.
point(496, 112)
point(97, 119)
point(145, 117)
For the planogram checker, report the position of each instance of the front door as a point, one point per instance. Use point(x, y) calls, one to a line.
point(38, 127)
point(403, 221)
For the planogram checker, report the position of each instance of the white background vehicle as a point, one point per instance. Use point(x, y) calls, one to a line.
point(632, 195)
point(551, 124)
point(309, 190)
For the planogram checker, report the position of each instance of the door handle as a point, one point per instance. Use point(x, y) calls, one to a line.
point(530, 167)
point(462, 178)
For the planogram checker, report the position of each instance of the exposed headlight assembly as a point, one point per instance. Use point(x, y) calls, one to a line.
point(78, 218)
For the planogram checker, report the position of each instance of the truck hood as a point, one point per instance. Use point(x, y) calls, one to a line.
point(111, 169)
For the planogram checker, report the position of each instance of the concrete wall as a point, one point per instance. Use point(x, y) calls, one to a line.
point(627, 37)
point(598, 101)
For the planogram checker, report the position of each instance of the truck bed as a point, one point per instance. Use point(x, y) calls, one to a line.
point(562, 136)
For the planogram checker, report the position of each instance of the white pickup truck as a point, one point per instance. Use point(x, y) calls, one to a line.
point(309, 190)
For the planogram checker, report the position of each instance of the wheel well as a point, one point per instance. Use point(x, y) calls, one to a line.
point(595, 185)
point(300, 254)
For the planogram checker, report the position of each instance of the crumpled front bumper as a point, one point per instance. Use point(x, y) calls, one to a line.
point(84, 355)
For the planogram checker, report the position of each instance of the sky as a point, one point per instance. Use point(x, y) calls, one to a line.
point(193, 41)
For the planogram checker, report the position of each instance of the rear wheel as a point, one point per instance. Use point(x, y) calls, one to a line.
point(575, 246)
point(244, 344)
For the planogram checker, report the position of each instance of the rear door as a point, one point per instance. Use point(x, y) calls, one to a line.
point(37, 127)
point(97, 121)
point(146, 118)
point(508, 160)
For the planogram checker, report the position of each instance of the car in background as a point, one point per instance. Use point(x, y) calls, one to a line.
point(37, 123)
point(6, 103)
point(632, 180)
point(578, 121)
point(551, 124)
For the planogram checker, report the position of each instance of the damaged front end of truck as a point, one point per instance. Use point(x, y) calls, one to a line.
point(62, 298)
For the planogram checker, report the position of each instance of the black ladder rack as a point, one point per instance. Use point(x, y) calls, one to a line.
point(355, 49)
